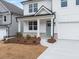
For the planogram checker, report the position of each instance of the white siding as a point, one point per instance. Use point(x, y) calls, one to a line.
point(14, 26)
point(68, 13)
point(8, 18)
point(43, 26)
point(67, 19)
point(46, 3)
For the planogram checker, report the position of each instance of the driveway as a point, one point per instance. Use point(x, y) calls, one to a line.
point(62, 49)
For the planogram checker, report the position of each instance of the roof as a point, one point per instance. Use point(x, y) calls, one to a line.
point(28, 1)
point(12, 8)
point(35, 15)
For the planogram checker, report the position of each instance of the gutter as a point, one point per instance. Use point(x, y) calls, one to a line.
point(9, 24)
point(53, 18)
point(51, 5)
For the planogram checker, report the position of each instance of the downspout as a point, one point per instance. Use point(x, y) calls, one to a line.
point(54, 24)
point(7, 30)
point(11, 19)
point(51, 5)
point(8, 25)
point(54, 13)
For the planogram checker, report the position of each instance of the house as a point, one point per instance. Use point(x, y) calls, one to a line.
point(8, 14)
point(38, 19)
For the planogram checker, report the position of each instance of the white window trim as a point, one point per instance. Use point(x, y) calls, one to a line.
point(33, 7)
point(32, 26)
point(63, 2)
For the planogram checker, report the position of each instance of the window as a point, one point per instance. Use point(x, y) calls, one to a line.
point(30, 8)
point(77, 2)
point(32, 25)
point(48, 23)
point(5, 18)
point(63, 3)
point(33, 7)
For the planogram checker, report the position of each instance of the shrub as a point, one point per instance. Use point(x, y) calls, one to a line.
point(24, 40)
point(18, 34)
point(28, 37)
point(35, 36)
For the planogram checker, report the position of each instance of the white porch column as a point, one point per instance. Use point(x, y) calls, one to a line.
point(52, 26)
point(38, 27)
point(19, 26)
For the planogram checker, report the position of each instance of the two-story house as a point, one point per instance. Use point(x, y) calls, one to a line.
point(8, 14)
point(38, 19)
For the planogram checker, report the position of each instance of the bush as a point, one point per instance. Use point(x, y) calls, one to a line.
point(19, 35)
point(28, 37)
point(19, 39)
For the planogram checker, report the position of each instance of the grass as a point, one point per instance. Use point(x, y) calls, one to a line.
point(19, 51)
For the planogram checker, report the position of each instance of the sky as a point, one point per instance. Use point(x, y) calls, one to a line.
point(16, 2)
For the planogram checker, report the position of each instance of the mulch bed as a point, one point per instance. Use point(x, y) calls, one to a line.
point(52, 40)
point(22, 40)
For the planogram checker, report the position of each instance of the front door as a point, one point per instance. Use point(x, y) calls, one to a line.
point(48, 28)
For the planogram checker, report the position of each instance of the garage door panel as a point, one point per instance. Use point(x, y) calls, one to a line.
point(68, 31)
point(2, 33)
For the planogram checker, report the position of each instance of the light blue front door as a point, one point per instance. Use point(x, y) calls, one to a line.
point(48, 28)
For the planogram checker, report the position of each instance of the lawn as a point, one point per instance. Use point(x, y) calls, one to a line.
point(19, 51)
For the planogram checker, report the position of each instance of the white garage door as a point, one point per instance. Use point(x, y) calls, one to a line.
point(2, 33)
point(68, 31)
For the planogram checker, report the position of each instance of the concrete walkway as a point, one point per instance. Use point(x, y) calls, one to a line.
point(45, 43)
point(62, 49)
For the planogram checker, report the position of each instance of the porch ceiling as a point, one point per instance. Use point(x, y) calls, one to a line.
point(33, 17)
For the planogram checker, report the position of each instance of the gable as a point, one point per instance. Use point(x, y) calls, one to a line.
point(43, 10)
point(3, 8)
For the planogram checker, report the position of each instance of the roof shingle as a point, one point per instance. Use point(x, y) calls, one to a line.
point(12, 8)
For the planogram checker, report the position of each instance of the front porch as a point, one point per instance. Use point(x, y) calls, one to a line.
point(40, 26)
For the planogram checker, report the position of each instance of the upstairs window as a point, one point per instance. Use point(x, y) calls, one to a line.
point(63, 3)
point(77, 2)
point(5, 18)
point(33, 8)
point(30, 8)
